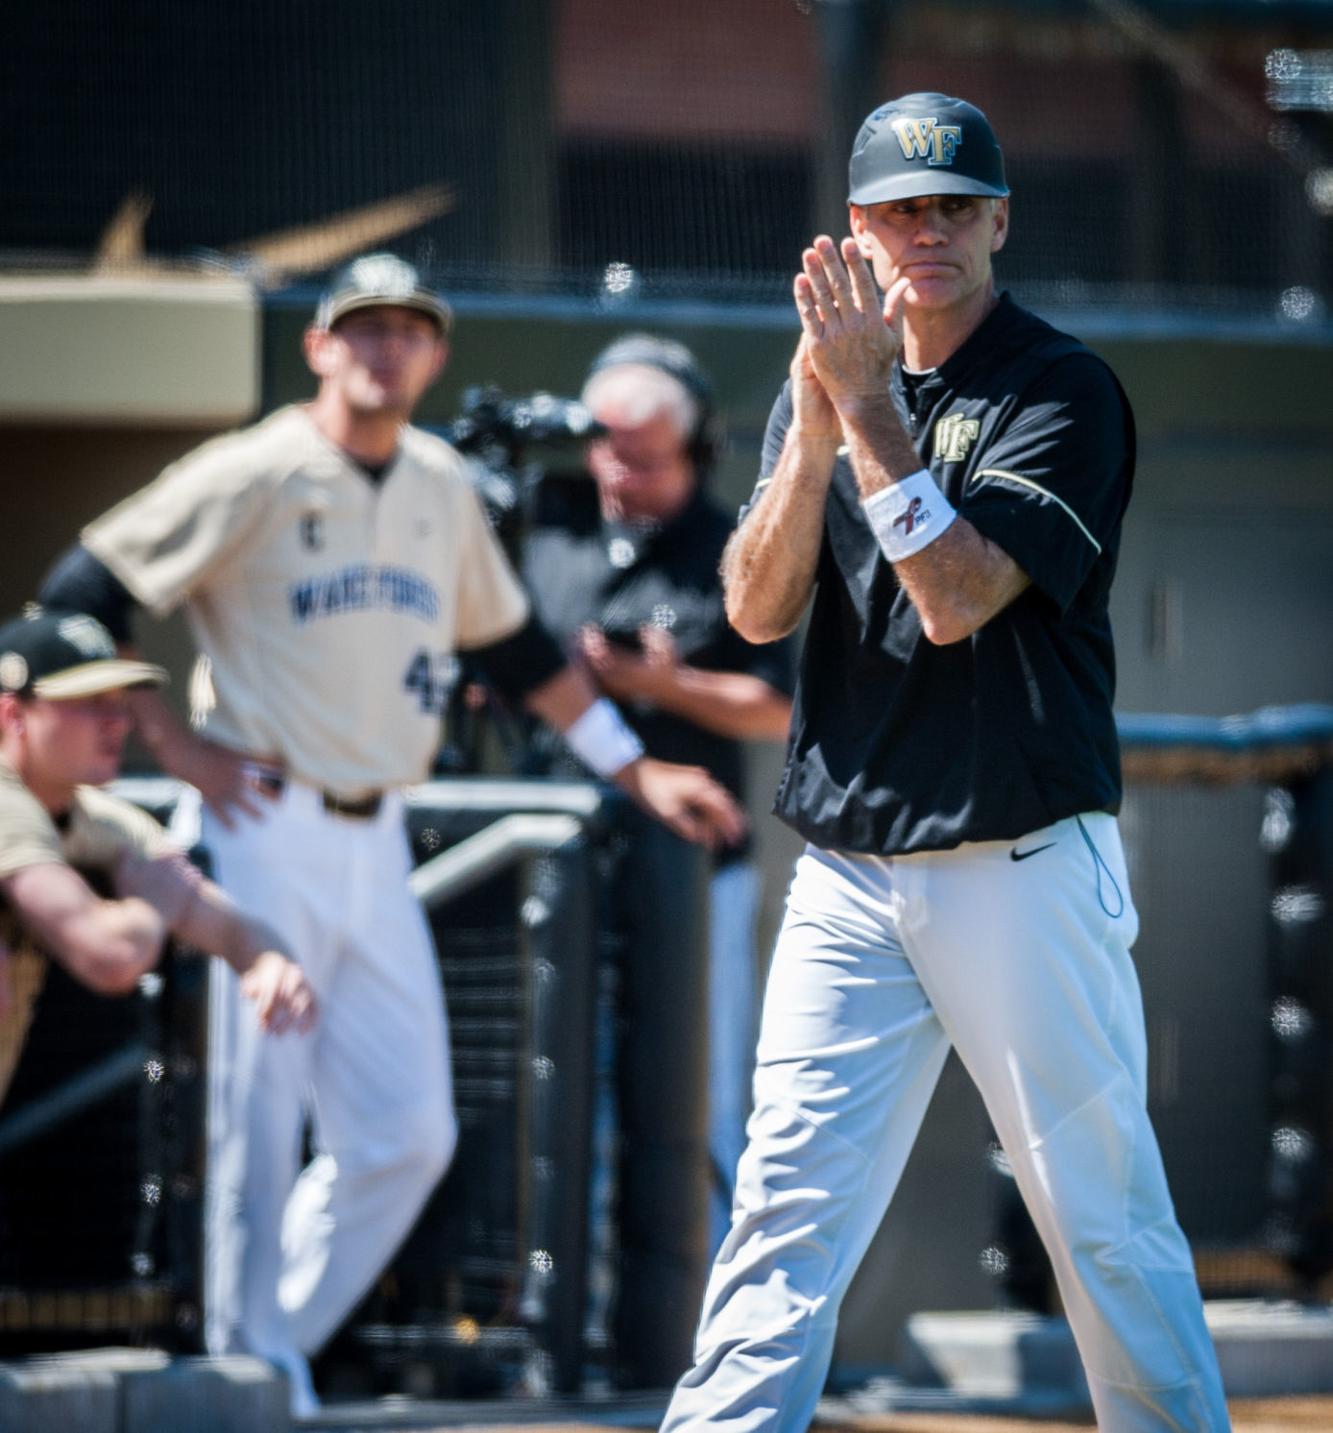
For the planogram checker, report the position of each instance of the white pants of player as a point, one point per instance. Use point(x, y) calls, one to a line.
point(1024, 967)
point(733, 1009)
point(288, 1257)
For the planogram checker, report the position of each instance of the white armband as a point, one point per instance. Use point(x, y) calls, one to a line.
point(908, 515)
point(601, 740)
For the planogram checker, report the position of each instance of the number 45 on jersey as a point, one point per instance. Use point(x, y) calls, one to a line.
point(431, 676)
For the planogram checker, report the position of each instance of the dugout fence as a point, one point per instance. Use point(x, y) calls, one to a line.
point(572, 940)
point(103, 1157)
point(1228, 831)
point(102, 1167)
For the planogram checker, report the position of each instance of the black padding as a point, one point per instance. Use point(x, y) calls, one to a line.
point(519, 664)
point(80, 582)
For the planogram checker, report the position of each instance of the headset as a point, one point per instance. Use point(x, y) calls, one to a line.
point(705, 442)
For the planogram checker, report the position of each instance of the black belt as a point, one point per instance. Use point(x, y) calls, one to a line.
point(355, 808)
point(362, 808)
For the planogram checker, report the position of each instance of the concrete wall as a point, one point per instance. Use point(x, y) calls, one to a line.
point(128, 350)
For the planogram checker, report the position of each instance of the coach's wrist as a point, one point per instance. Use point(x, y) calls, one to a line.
point(815, 436)
point(859, 410)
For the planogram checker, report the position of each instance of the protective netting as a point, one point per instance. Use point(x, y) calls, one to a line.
point(1175, 154)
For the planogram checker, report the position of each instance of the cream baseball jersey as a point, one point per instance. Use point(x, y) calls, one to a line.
point(326, 605)
point(99, 829)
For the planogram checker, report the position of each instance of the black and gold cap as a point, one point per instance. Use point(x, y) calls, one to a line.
point(924, 144)
point(380, 281)
point(62, 655)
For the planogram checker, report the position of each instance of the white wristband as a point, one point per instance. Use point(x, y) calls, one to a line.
point(601, 740)
point(908, 515)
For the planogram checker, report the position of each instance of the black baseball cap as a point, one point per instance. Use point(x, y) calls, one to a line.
point(379, 281)
point(925, 144)
point(62, 655)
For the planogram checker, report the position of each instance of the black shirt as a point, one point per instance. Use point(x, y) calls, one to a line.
point(580, 570)
point(900, 745)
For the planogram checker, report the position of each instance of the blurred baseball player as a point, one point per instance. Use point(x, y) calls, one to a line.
point(332, 559)
point(63, 721)
point(947, 474)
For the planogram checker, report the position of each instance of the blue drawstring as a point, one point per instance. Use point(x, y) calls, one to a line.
point(1099, 865)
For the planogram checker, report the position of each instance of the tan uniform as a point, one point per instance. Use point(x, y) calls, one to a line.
point(327, 606)
point(101, 829)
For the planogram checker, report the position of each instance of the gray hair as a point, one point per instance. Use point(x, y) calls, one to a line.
point(638, 393)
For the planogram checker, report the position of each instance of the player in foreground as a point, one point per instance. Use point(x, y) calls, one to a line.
point(332, 559)
point(948, 475)
point(63, 721)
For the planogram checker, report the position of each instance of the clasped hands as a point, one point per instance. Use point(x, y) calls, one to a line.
point(849, 337)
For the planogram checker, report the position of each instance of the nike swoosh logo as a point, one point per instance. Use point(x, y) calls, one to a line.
point(1016, 855)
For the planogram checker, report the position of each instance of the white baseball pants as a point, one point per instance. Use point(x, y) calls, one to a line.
point(290, 1251)
point(1023, 966)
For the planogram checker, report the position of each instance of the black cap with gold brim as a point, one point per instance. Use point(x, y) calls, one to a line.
point(64, 655)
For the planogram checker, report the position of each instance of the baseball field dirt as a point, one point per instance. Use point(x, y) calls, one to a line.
point(1264, 1415)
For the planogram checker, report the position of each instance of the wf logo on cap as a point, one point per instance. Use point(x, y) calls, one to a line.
point(88, 636)
point(384, 274)
point(13, 672)
point(926, 138)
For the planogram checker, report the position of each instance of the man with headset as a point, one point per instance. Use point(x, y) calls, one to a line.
point(625, 574)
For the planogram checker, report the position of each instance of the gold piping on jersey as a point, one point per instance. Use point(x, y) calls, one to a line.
point(1037, 488)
